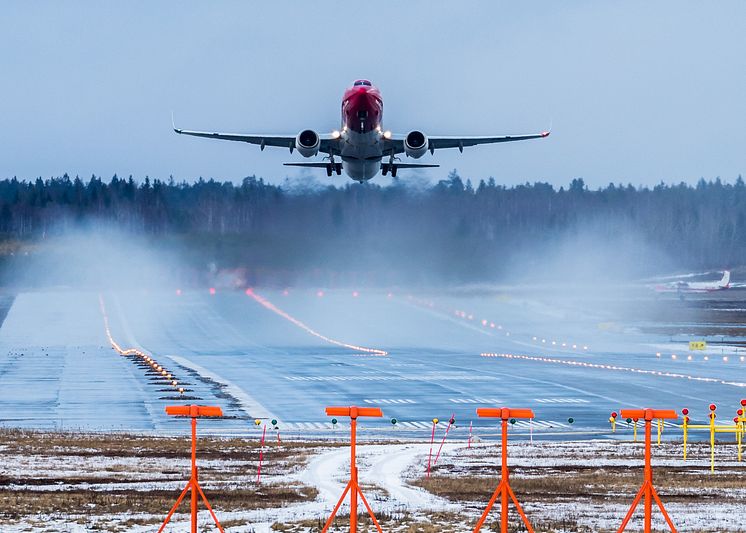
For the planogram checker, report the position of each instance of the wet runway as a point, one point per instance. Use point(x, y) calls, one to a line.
point(285, 355)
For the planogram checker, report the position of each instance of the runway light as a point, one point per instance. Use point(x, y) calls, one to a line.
point(435, 420)
point(492, 325)
point(554, 343)
point(212, 291)
point(706, 358)
point(320, 294)
point(285, 292)
point(249, 291)
point(470, 317)
point(585, 347)
point(181, 390)
point(178, 292)
point(389, 295)
point(533, 338)
point(387, 134)
point(725, 358)
point(688, 357)
point(355, 294)
point(743, 358)
point(257, 422)
point(673, 356)
point(657, 354)
point(574, 346)
point(484, 322)
point(543, 341)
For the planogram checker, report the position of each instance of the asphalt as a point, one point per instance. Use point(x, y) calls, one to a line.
point(285, 356)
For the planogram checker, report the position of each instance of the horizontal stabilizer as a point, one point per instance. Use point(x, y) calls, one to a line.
point(312, 165)
point(385, 167)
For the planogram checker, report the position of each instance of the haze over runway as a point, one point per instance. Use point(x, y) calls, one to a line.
point(635, 92)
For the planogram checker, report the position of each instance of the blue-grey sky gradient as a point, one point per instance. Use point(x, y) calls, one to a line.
point(636, 91)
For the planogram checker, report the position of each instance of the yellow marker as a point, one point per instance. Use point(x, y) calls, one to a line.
point(697, 345)
point(435, 420)
point(257, 422)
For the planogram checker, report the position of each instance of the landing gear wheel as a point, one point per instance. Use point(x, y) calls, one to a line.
point(393, 171)
point(329, 170)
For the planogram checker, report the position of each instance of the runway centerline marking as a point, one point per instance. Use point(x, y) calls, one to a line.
point(272, 307)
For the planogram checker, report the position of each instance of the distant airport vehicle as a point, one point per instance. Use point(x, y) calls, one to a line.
point(696, 286)
point(361, 143)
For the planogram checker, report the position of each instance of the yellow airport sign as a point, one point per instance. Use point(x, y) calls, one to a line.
point(697, 345)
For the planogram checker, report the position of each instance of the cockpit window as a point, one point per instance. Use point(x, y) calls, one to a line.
point(366, 83)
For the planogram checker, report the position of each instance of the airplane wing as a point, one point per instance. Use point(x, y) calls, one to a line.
point(435, 143)
point(328, 143)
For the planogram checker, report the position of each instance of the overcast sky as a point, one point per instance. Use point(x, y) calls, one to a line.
point(637, 91)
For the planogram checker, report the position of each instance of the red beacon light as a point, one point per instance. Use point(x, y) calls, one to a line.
point(614, 414)
point(713, 407)
point(685, 411)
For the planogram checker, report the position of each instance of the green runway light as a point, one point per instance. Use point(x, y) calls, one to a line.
point(393, 421)
point(571, 420)
point(512, 420)
point(629, 421)
point(274, 421)
point(334, 421)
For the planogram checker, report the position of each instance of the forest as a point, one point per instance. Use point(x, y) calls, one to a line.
point(452, 230)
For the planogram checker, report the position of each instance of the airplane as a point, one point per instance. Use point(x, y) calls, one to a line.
point(364, 148)
point(696, 286)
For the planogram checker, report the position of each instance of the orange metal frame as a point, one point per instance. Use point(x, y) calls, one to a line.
point(503, 488)
point(647, 491)
point(193, 411)
point(352, 486)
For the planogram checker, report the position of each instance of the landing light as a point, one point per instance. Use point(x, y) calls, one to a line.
point(336, 134)
point(387, 134)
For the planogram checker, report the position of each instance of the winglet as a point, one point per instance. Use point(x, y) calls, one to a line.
point(173, 124)
point(547, 132)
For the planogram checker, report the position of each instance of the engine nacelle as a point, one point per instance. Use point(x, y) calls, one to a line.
point(307, 143)
point(415, 144)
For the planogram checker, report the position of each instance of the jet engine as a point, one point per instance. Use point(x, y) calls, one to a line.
point(415, 144)
point(307, 143)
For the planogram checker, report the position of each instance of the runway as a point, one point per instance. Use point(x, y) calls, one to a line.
point(285, 355)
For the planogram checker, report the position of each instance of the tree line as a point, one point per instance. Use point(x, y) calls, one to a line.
point(451, 229)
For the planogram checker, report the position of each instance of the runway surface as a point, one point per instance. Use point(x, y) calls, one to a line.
point(285, 355)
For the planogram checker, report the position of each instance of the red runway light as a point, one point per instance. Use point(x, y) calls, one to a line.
point(713, 407)
point(685, 411)
point(249, 291)
point(320, 294)
point(178, 292)
point(212, 291)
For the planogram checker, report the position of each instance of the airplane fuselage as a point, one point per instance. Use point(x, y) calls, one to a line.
point(361, 133)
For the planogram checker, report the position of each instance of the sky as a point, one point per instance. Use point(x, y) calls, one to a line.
point(635, 92)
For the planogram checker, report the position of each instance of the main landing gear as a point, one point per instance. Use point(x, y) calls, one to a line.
point(333, 166)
